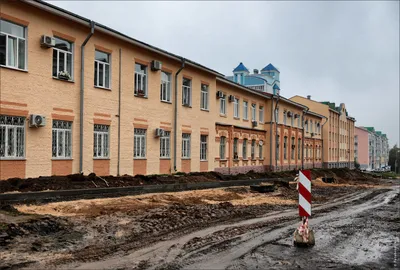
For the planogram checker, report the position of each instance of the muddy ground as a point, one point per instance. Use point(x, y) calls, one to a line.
point(356, 226)
point(80, 181)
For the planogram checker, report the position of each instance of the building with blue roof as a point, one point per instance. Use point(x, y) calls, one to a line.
point(265, 81)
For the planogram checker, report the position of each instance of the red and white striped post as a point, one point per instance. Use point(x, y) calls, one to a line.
point(305, 193)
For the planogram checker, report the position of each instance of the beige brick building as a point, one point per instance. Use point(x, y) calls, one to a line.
point(115, 111)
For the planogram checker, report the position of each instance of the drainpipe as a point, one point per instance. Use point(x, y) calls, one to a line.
point(270, 135)
point(119, 115)
point(276, 129)
point(322, 137)
point(81, 107)
point(176, 109)
point(302, 145)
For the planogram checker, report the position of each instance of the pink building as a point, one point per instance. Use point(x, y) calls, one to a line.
point(361, 147)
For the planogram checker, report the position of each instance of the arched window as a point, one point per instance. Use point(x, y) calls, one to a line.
point(253, 149)
point(235, 148)
point(244, 149)
point(292, 150)
point(285, 147)
point(299, 149)
point(260, 149)
point(277, 146)
point(222, 148)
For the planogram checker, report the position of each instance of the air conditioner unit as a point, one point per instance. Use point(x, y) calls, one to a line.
point(220, 94)
point(231, 98)
point(159, 132)
point(37, 120)
point(47, 41)
point(254, 123)
point(156, 65)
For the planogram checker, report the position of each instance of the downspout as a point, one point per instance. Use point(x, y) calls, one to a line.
point(276, 131)
point(322, 145)
point(303, 139)
point(81, 107)
point(119, 115)
point(270, 135)
point(176, 110)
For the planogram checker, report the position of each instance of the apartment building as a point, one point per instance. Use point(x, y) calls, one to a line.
point(361, 147)
point(338, 133)
point(378, 146)
point(77, 96)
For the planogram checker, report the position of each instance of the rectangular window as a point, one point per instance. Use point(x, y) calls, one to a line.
point(292, 149)
point(299, 149)
point(235, 148)
point(253, 149)
point(244, 149)
point(62, 139)
point(260, 149)
point(203, 147)
point(236, 107)
point(12, 136)
point(261, 114)
point(253, 112)
point(140, 80)
point(204, 97)
point(63, 59)
point(285, 147)
point(222, 147)
point(165, 91)
point(312, 127)
point(284, 118)
point(101, 145)
point(185, 145)
point(292, 121)
point(245, 110)
point(299, 122)
point(12, 45)
point(139, 143)
point(277, 115)
point(222, 105)
point(165, 148)
point(277, 147)
point(187, 92)
point(102, 69)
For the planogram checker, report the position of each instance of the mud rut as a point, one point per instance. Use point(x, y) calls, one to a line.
point(357, 230)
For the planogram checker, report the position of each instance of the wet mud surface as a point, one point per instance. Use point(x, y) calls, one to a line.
point(356, 227)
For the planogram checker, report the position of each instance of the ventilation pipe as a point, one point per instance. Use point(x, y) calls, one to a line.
point(176, 109)
point(81, 107)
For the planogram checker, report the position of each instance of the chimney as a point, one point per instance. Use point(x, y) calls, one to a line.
point(308, 97)
point(255, 71)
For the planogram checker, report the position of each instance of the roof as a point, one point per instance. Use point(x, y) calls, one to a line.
point(253, 80)
point(276, 87)
point(240, 67)
point(102, 28)
point(316, 114)
point(269, 67)
point(371, 129)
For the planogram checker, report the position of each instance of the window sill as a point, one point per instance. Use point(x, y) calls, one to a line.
point(140, 96)
point(246, 120)
point(68, 81)
point(12, 159)
point(164, 101)
point(205, 110)
point(245, 159)
point(101, 158)
point(204, 160)
point(54, 158)
point(104, 88)
point(139, 158)
point(261, 159)
point(223, 115)
point(223, 159)
point(165, 158)
point(186, 158)
point(236, 118)
point(14, 68)
point(187, 106)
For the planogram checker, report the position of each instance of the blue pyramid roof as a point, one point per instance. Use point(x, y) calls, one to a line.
point(240, 67)
point(269, 67)
point(276, 87)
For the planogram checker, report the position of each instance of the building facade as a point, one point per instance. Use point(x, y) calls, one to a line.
point(361, 147)
point(77, 96)
point(338, 132)
point(378, 149)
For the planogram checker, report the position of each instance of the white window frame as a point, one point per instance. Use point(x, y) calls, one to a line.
point(139, 143)
point(260, 150)
point(222, 105)
point(292, 120)
point(285, 118)
point(61, 130)
point(186, 138)
point(236, 107)
point(187, 93)
point(165, 87)
point(222, 148)
point(165, 145)
point(99, 63)
point(244, 149)
point(7, 36)
point(236, 148)
point(203, 147)
point(143, 82)
point(261, 114)
point(253, 112)
point(277, 145)
point(299, 148)
point(102, 135)
point(285, 147)
point(245, 110)
point(16, 126)
point(204, 97)
point(253, 149)
point(277, 115)
point(60, 51)
point(292, 149)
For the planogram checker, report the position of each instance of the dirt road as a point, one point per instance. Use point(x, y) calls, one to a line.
point(356, 226)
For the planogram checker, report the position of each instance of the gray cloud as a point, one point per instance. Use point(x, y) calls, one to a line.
point(338, 51)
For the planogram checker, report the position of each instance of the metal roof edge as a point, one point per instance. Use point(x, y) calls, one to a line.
point(316, 114)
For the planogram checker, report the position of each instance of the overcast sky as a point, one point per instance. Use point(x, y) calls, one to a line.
point(338, 51)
